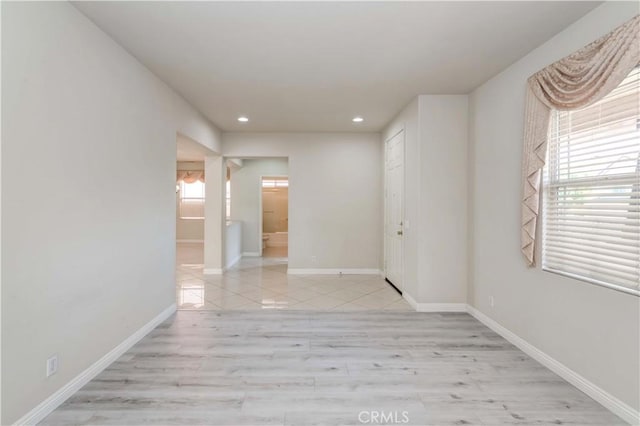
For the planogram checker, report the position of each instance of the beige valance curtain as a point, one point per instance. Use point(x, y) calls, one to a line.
point(190, 176)
point(573, 82)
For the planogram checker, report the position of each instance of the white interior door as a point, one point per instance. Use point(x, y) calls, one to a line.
point(394, 209)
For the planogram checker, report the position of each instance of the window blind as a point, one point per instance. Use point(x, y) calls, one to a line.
point(591, 204)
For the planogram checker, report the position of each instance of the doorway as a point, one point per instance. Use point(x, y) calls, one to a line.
point(189, 211)
point(275, 216)
point(394, 211)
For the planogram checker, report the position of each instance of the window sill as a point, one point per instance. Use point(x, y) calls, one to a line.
point(627, 290)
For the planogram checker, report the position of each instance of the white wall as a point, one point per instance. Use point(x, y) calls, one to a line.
point(245, 197)
point(188, 229)
point(1, 273)
point(335, 194)
point(233, 243)
point(435, 251)
point(592, 330)
point(190, 121)
point(80, 248)
point(215, 229)
point(443, 198)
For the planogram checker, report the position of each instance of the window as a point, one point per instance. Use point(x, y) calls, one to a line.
point(191, 200)
point(228, 199)
point(275, 183)
point(591, 204)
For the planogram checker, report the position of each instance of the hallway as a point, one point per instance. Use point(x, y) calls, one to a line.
point(257, 283)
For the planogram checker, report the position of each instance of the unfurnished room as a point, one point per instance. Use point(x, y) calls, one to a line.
point(320, 213)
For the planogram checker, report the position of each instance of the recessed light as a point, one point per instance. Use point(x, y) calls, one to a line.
point(357, 119)
point(243, 119)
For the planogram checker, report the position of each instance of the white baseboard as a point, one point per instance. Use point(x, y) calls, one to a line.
point(45, 408)
point(434, 307)
point(233, 262)
point(442, 307)
point(609, 401)
point(298, 271)
point(412, 302)
point(189, 241)
point(212, 271)
point(250, 254)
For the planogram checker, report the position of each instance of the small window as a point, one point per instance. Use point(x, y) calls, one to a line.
point(192, 200)
point(591, 204)
point(228, 199)
point(275, 183)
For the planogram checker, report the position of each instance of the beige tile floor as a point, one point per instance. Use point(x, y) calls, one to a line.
point(263, 283)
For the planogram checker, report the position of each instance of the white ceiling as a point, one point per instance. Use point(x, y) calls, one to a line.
point(312, 66)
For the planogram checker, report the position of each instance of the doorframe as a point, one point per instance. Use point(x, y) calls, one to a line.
point(260, 218)
point(402, 130)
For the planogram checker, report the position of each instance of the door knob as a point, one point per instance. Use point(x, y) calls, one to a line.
point(399, 232)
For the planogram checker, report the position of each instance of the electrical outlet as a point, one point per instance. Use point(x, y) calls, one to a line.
point(314, 259)
point(52, 365)
point(491, 301)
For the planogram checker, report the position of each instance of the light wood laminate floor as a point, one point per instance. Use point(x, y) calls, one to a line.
point(275, 367)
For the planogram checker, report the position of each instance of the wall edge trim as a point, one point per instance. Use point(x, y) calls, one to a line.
point(250, 254)
point(333, 271)
point(610, 402)
point(434, 307)
point(233, 262)
point(442, 307)
point(412, 302)
point(56, 399)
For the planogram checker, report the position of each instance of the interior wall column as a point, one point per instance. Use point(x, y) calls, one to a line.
point(214, 214)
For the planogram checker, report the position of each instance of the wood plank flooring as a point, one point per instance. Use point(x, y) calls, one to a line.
point(327, 368)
